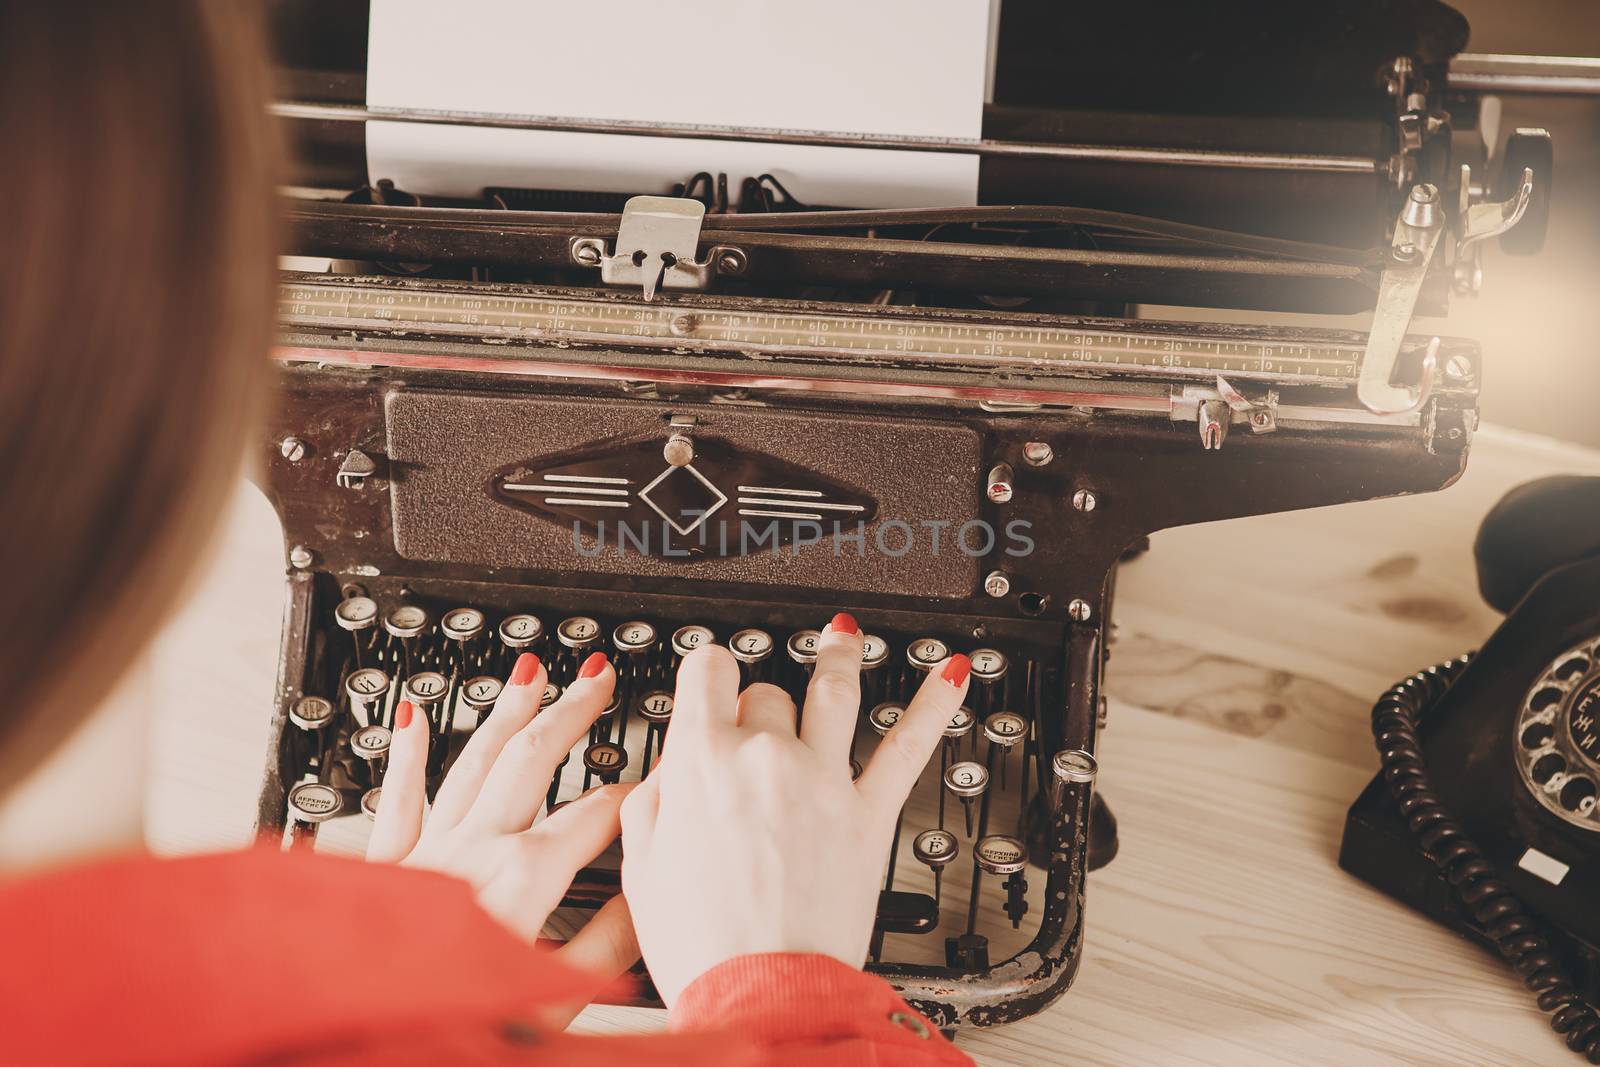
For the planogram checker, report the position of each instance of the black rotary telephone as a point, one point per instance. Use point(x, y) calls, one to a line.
point(1486, 815)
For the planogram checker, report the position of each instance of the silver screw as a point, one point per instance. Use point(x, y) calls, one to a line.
point(679, 450)
point(1261, 418)
point(292, 449)
point(1084, 500)
point(300, 557)
point(731, 262)
point(997, 584)
point(1458, 369)
point(1079, 610)
point(1406, 253)
point(1426, 193)
point(587, 254)
point(1038, 453)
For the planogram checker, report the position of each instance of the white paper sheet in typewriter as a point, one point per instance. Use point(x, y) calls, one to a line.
point(895, 68)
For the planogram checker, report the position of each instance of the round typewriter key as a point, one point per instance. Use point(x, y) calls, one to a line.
point(369, 801)
point(311, 713)
point(689, 638)
point(461, 624)
point(428, 687)
point(988, 664)
point(1074, 765)
point(605, 760)
point(481, 692)
point(883, 717)
point(656, 706)
point(751, 646)
point(924, 652)
point(612, 706)
point(1005, 728)
point(1000, 854)
point(356, 613)
point(406, 621)
point(551, 694)
point(370, 742)
point(966, 779)
point(578, 632)
point(314, 802)
point(366, 686)
point(935, 848)
point(634, 637)
point(874, 652)
point(803, 646)
point(961, 723)
point(520, 631)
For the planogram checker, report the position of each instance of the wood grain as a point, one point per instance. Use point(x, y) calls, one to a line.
point(1224, 932)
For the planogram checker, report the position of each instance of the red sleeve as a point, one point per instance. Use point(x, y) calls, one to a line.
point(790, 1003)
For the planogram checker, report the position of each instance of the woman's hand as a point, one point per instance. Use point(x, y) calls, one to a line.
point(481, 826)
point(747, 838)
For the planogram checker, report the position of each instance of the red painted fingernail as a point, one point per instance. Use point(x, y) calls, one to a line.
point(845, 623)
point(955, 670)
point(593, 665)
point(402, 715)
point(527, 666)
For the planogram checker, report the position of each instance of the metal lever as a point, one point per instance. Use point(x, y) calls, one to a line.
point(656, 245)
point(1416, 236)
point(1483, 221)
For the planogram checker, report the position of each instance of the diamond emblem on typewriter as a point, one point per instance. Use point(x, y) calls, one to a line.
point(679, 493)
point(730, 500)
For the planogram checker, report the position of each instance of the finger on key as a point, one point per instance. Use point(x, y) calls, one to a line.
point(833, 699)
point(707, 694)
point(515, 708)
point(514, 790)
point(606, 947)
point(399, 820)
point(766, 707)
point(906, 749)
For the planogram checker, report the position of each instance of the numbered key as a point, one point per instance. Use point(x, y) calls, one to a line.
point(688, 638)
point(406, 622)
point(578, 633)
point(751, 646)
point(883, 717)
point(925, 653)
point(634, 637)
point(518, 632)
point(802, 647)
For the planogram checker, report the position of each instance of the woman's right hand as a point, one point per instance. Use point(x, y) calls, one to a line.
point(748, 838)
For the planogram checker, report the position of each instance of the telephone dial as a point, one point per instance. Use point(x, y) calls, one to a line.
point(1485, 813)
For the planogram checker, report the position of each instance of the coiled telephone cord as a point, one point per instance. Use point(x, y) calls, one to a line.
point(1519, 936)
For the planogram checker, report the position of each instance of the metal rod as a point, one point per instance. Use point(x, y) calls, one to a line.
point(1308, 162)
point(1489, 72)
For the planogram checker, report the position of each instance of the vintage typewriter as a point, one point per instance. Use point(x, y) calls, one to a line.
point(707, 410)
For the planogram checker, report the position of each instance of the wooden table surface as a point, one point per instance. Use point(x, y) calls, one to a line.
point(1223, 933)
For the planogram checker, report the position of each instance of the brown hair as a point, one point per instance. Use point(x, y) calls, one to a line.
point(134, 325)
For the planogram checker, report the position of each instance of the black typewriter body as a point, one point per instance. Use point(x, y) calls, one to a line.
point(420, 518)
point(568, 420)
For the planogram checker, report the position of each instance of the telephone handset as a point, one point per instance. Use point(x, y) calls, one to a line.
point(1486, 815)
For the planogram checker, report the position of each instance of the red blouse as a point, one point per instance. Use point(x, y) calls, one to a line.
point(257, 957)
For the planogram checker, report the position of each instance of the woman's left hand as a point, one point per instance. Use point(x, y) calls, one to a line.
point(481, 827)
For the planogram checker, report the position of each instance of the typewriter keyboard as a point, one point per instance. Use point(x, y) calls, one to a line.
point(959, 864)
